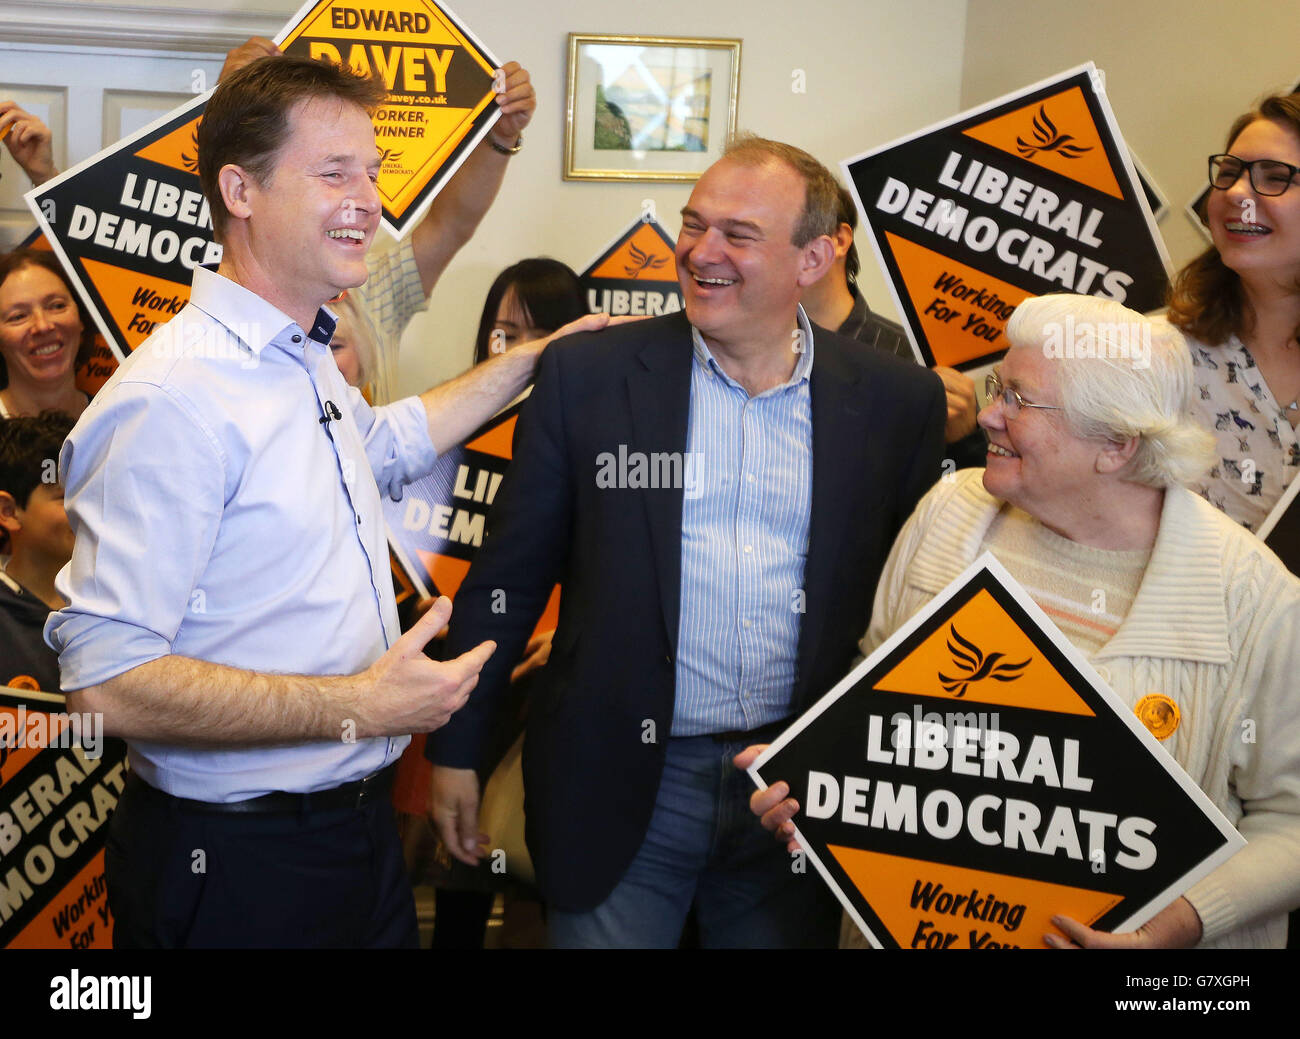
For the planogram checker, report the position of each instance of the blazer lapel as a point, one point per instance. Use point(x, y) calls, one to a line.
point(659, 394)
point(837, 405)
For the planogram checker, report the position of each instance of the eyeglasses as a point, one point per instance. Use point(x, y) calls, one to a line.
point(1012, 402)
point(1267, 176)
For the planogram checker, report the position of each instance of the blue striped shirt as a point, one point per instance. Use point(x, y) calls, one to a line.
point(744, 544)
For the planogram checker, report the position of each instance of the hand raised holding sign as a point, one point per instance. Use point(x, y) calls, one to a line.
point(28, 140)
point(250, 50)
point(517, 100)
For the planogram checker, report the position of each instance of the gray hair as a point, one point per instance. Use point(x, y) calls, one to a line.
point(1130, 376)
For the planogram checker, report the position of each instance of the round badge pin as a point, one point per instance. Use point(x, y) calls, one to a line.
point(1159, 714)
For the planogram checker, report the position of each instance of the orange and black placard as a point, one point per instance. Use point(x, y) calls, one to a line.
point(56, 797)
point(440, 83)
point(974, 777)
point(1030, 194)
point(635, 274)
point(130, 224)
point(437, 528)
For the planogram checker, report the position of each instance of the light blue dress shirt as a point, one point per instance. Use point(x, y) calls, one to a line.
point(744, 545)
point(217, 517)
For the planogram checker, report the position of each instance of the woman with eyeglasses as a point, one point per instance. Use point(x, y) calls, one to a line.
point(1238, 304)
point(1198, 620)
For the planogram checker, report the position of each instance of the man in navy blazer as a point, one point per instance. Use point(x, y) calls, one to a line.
point(716, 491)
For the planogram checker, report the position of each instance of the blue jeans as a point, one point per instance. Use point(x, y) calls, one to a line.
point(704, 845)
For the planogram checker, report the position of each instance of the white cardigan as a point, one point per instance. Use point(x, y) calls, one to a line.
point(1216, 627)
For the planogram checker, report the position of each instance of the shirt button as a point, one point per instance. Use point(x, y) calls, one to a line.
point(749, 623)
point(749, 477)
point(749, 548)
point(297, 339)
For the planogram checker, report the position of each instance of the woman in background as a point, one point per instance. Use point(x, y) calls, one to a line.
point(527, 301)
point(1084, 491)
point(44, 337)
point(354, 349)
point(1238, 304)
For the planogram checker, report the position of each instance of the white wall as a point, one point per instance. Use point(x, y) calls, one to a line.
point(874, 70)
point(1177, 73)
point(870, 77)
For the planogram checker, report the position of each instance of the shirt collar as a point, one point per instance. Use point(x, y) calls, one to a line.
point(251, 319)
point(857, 316)
point(802, 369)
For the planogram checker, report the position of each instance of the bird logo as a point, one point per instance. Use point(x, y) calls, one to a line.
point(191, 162)
point(971, 659)
point(643, 261)
point(1049, 139)
point(388, 155)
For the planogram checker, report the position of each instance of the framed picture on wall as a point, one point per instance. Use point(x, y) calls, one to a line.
point(648, 107)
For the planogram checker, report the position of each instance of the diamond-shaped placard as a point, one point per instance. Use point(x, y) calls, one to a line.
point(129, 225)
point(635, 274)
point(974, 777)
point(439, 77)
point(1029, 194)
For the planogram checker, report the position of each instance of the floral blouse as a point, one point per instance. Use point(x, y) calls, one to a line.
point(1258, 454)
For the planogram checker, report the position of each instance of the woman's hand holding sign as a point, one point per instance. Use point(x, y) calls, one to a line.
point(774, 806)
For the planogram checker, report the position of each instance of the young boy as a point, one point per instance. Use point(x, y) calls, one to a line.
point(34, 531)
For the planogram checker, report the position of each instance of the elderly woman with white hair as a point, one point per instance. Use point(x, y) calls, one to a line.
point(1091, 439)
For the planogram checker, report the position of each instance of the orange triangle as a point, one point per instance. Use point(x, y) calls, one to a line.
point(448, 573)
point(405, 160)
point(40, 932)
point(403, 588)
point(1020, 676)
point(951, 341)
point(179, 149)
point(19, 756)
point(643, 252)
point(497, 441)
point(412, 21)
point(889, 883)
point(415, 137)
point(119, 289)
point(1056, 133)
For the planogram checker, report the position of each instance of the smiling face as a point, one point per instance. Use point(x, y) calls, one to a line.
point(740, 273)
point(1034, 461)
point(309, 226)
point(40, 328)
point(1266, 247)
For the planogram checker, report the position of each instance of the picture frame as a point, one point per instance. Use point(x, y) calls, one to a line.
point(652, 108)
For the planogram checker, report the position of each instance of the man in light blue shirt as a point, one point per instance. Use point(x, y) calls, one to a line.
point(231, 610)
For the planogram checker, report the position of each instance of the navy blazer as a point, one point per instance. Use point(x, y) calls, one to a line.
point(602, 711)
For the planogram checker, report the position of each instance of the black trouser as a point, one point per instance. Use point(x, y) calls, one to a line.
point(180, 877)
